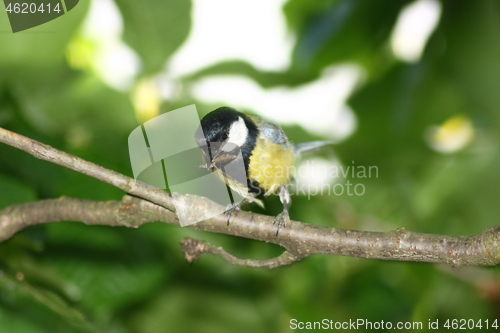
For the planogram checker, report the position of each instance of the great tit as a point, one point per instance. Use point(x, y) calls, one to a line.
point(267, 155)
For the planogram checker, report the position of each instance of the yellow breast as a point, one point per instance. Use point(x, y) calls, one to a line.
point(271, 165)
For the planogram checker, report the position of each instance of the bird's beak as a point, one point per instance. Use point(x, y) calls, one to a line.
point(219, 156)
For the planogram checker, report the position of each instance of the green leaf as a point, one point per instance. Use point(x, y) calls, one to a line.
point(114, 268)
point(265, 79)
point(215, 311)
point(41, 47)
point(348, 30)
point(50, 300)
point(155, 28)
point(471, 42)
point(108, 287)
point(298, 13)
point(13, 321)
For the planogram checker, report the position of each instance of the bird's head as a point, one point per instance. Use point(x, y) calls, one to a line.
point(222, 135)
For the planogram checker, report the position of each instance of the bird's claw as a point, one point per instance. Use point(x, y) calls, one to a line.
point(281, 220)
point(230, 209)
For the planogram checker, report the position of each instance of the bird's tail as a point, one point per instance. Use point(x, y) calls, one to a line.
point(299, 148)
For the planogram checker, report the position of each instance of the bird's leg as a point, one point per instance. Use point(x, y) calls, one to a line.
point(231, 208)
point(283, 217)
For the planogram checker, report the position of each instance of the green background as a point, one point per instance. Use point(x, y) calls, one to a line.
point(68, 277)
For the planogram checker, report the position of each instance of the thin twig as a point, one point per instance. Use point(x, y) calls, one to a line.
point(193, 248)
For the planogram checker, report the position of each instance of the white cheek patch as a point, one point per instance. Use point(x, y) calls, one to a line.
point(238, 133)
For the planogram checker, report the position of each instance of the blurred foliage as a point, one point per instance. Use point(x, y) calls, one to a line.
point(155, 29)
point(68, 277)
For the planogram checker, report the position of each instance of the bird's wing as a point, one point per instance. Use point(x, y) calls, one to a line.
point(238, 187)
point(299, 148)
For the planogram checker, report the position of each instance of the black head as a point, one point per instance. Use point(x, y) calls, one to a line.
point(225, 124)
point(216, 124)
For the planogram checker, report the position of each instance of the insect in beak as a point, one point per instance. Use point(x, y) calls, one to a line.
point(221, 157)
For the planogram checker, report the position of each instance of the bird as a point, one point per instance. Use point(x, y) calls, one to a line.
point(260, 149)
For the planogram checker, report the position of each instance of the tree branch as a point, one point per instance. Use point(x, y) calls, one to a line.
point(48, 153)
point(299, 239)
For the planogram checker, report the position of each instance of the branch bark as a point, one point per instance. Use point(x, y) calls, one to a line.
point(298, 239)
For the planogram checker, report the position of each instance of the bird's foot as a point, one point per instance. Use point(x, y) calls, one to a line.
point(230, 209)
point(281, 220)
